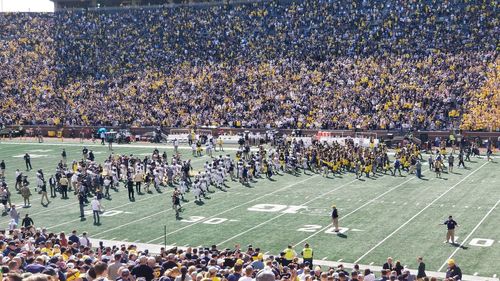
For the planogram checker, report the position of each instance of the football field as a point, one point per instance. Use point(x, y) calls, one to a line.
point(380, 216)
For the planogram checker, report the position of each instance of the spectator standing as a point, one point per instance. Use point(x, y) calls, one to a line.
point(27, 160)
point(96, 209)
point(143, 270)
point(64, 156)
point(63, 182)
point(84, 240)
point(454, 272)
point(27, 221)
point(14, 214)
point(421, 268)
point(26, 193)
point(115, 266)
point(451, 224)
point(290, 254)
point(130, 188)
point(74, 237)
point(2, 169)
point(335, 218)
point(81, 203)
point(307, 255)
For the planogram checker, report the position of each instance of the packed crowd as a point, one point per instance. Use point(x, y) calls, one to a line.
point(297, 64)
point(35, 254)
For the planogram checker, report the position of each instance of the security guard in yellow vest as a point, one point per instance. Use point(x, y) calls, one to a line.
point(307, 255)
point(289, 255)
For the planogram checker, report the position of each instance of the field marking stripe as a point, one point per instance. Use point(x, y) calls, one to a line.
point(147, 217)
point(192, 202)
point(230, 209)
point(352, 212)
point(417, 214)
point(470, 234)
point(282, 214)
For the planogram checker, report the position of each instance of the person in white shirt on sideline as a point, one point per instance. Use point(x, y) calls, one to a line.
point(96, 209)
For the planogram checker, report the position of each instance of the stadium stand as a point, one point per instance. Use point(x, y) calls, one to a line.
point(35, 254)
point(284, 64)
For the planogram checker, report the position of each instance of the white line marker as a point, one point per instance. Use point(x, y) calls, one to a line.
point(139, 241)
point(470, 234)
point(324, 258)
point(417, 214)
point(357, 209)
point(282, 214)
point(466, 207)
point(453, 206)
point(238, 206)
point(371, 263)
point(475, 273)
point(186, 245)
point(340, 260)
point(494, 276)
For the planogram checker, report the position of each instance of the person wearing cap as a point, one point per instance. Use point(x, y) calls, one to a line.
point(124, 275)
point(335, 218)
point(454, 272)
point(307, 255)
point(63, 182)
point(289, 255)
point(265, 275)
point(258, 261)
point(26, 193)
point(450, 225)
point(27, 160)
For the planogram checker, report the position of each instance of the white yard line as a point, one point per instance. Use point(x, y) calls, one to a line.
point(417, 214)
point(354, 211)
point(282, 214)
point(147, 217)
point(238, 206)
point(468, 236)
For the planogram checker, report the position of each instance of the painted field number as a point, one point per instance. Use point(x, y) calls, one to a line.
point(194, 219)
point(274, 208)
point(316, 227)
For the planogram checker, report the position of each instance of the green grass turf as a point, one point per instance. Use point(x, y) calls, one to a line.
point(386, 216)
